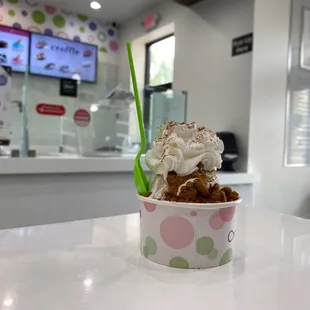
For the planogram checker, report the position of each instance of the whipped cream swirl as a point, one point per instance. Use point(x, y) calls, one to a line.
point(181, 147)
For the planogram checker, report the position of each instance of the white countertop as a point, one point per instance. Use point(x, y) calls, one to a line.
point(96, 264)
point(74, 164)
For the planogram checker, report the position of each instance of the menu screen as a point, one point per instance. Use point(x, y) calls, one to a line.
point(14, 48)
point(62, 58)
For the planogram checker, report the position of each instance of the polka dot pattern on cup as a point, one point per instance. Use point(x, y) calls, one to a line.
point(150, 247)
point(193, 213)
point(227, 214)
point(151, 244)
point(227, 257)
point(177, 232)
point(179, 262)
point(215, 221)
point(213, 254)
point(204, 245)
point(149, 207)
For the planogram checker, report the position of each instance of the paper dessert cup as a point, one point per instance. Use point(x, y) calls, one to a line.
point(187, 235)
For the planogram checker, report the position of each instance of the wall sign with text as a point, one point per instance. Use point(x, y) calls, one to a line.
point(50, 109)
point(68, 88)
point(242, 45)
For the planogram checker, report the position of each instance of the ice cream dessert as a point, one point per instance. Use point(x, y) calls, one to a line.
point(184, 160)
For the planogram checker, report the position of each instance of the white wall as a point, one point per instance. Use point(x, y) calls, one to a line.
point(281, 189)
point(218, 85)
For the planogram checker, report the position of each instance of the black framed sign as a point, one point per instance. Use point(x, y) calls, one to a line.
point(68, 88)
point(242, 45)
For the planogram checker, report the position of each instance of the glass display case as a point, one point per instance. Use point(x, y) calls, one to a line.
point(99, 122)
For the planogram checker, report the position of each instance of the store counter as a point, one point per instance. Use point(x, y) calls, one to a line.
point(56, 189)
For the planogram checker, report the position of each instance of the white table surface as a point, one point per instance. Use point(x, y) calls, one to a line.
point(95, 264)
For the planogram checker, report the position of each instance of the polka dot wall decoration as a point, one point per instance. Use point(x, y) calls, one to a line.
point(103, 50)
point(66, 12)
point(55, 21)
point(17, 26)
point(38, 17)
point(13, 1)
point(50, 9)
point(111, 32)
point(113, 46)
point(31, 2)
point(59, 21)
point(92, 26)
point(48, 32)
point(62, 34)
point(34, 29)
point(82, 18)
point(101, 36)
point(11, 13)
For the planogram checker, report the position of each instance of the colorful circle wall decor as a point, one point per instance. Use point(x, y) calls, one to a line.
point(50, 20)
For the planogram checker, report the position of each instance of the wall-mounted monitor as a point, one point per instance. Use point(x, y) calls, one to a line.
point(61, 58)
point(14, 48)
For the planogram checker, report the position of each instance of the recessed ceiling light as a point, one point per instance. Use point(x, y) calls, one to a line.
point(95, 5)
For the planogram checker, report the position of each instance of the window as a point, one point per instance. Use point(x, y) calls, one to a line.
point(158, 76)
point(160, 61)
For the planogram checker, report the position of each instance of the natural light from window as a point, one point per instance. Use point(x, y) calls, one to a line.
point(162, 61)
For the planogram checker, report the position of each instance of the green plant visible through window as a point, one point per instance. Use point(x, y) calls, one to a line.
point(162, 61)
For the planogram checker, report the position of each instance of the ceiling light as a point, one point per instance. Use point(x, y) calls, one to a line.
point(95, 5)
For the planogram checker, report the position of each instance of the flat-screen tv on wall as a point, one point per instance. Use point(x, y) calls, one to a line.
point(61, 58)
point(14, 48)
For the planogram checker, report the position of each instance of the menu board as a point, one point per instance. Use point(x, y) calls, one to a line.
point(14, 48)
point(56, 57)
